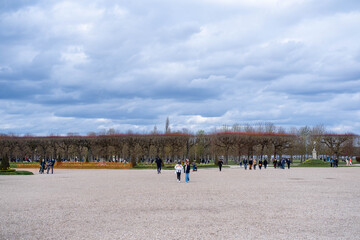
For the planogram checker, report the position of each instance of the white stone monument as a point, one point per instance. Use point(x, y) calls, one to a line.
point(314, 155)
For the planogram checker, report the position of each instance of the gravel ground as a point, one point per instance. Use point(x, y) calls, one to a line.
point(300, 203)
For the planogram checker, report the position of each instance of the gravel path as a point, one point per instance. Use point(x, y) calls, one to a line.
point(300, 203)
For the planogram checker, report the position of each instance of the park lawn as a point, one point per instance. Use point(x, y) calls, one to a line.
point(16, 173)
point(317, 163)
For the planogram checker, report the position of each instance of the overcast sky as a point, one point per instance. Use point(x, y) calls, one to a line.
point(82, 66)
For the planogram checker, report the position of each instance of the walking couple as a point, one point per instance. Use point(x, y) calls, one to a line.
point(179, 169)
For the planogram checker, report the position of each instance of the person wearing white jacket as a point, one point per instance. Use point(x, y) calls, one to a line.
point(178, 170)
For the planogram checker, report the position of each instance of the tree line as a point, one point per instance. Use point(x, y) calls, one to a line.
point(228, 143)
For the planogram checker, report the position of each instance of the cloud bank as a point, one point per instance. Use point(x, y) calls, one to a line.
point(81, 66)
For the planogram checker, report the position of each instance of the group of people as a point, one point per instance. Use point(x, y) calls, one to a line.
point(281, 163)
point(253, 163)
point(179, 168)
point(334, 162)
point(186, 168)
point(48, 165)
point(348, 161)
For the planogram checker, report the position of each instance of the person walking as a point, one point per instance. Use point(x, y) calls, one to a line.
point(158, 162)
point(250, 163)
point(274, 162)
point(48, 166)
point(187, 171)
point(255, 163)
point(283, 163)
point(288, 162)
point(42, 166)
point(265, 163)
point(178, 170)
point(194, 166)
point(52, 165)
point(260, 164)
point(220, 163)
point(350, 162)
point(245, 162)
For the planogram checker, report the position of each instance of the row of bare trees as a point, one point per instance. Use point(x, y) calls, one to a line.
point(229, 143)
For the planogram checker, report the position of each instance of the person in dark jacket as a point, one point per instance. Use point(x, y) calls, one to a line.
point(187, 170)
point(52, 165)
point(194, 166)
point(245, 162)
point(288, 162)
point(220, 163)
point(260, 164)
point(48, 165)
point(265, 163)
point(42, 166)
point(158, 162)
point(274, 162)
point(250, 163)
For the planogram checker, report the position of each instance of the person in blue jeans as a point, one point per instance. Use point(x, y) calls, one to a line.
point(245, 162)
point(50, 165)
point(187, 170)
point(42, 166)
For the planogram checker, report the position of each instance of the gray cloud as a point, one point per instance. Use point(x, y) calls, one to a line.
point(75, 67)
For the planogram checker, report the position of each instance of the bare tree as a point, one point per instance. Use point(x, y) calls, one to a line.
point(338, 143)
